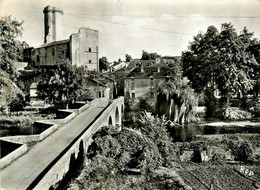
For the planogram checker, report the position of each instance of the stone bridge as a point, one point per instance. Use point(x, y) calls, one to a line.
point(50, 160)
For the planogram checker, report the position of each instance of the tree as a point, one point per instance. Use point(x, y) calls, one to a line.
point(17, 105)
point(9, 91)
point(62, 84)
point(149, 56)
point(235, 64)
point(10, 51)
point(10, 48)
point(220, 61)
point(103, 63)
point(128, 57)
point(177, 100)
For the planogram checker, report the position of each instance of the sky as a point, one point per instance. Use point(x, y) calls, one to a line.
point(130, 26)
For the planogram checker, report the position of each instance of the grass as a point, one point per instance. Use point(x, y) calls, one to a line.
point(25, 119)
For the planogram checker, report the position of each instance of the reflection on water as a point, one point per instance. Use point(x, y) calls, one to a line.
point(7, 147)
point(185, 133)
point(12, 131)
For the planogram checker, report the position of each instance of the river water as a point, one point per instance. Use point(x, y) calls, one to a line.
point(187, 132)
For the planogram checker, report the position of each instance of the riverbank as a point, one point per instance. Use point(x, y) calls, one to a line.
point(148, 159)
point(21, 124)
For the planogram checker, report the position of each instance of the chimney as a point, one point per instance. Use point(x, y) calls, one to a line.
point(142, 68)
point(52, 24)
point(157, 60)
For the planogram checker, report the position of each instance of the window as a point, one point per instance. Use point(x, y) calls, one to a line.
point(38, 58)
point(89, 61)
point(133, 95)
point(53, 52)
point(89, 49)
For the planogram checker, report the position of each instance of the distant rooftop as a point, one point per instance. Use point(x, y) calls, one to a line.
point(149, 72)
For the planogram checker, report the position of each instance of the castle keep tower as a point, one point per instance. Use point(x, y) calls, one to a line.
point(52, 24)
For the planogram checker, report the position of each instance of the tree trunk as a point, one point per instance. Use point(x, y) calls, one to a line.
point(170, 108)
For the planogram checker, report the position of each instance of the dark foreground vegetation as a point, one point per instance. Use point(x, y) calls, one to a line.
point(147, 158)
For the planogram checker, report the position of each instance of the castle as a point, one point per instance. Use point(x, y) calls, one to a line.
point(81, 48)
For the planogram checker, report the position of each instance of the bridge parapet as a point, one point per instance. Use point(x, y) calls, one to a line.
point(113, 111)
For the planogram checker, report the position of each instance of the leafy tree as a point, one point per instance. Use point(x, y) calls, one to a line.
point(149, 56)
point(10, 51)
point(220, 61)
point(128, 57)
point(236, 65)
point(177, 100)
point(10, 48)
point(103, 63)
point(62, 84)
point(17, 105)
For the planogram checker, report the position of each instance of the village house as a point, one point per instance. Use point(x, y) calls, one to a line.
point(97, 89)
point(143, 82)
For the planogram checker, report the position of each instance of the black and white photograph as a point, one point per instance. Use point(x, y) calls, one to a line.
point(130, 94)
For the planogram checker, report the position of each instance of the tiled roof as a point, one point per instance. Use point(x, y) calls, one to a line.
point(53, 43)
point(143, 63)
point(99, 83)
point(148, 72)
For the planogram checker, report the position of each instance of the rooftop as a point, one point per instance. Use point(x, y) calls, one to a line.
point(149, 72)
point(53, 43)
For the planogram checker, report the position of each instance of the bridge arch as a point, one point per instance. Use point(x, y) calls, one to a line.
point(122, 110)
point(110, 121)
point(117, 116)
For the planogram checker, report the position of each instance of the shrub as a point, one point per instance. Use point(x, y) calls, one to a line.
point(235, 113)
point(241, 149)
point(256, 109)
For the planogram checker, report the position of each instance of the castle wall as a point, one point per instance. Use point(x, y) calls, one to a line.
point(84, 49)
point(51, 55)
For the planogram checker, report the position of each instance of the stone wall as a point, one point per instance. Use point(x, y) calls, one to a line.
point(51, 54)
point(5, 161)
point(84, 49)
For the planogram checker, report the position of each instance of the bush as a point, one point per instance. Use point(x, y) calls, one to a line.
point(235, 113)
point(256, 110)
point(17, 105)
point(241, 149)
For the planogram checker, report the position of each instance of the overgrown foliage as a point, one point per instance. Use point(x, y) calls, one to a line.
point(10, 51)
point(63, 84)
point(9, 92)
point(177, 100)
point(103, 63)
point(11, 47)
point(115, 154)
point(222, 61)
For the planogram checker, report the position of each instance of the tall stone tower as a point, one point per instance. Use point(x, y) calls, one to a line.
point(52, 24)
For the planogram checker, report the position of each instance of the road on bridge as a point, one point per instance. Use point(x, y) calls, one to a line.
point(23, 171)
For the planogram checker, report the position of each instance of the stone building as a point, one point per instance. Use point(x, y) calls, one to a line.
point(97, 89)
point(81, 48)
point(52, 24)
point(143, 82)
